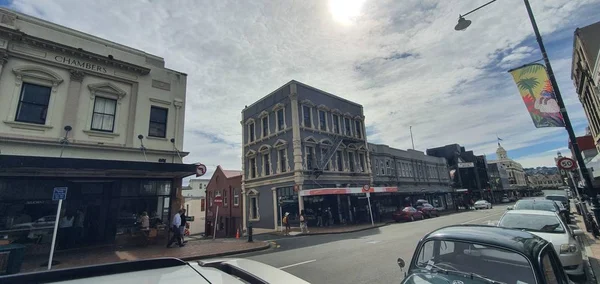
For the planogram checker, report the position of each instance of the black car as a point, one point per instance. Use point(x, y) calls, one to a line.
point(483, 254)
point(562, 198)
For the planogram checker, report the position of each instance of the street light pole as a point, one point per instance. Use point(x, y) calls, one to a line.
point(411, 138)
point(463, 24)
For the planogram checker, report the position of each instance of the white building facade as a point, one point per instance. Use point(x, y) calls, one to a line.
point(516, 174)
point(101, 119)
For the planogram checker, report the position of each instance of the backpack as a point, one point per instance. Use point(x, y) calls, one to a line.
point(285, 220)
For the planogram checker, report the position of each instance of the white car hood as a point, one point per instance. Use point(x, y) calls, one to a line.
point(555, 239)
point(257, 269)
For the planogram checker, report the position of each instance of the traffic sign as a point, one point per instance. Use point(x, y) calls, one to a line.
point(60, 193)
point(218, 200)
point(367, 188)
point(567, 164)
point(200, 170)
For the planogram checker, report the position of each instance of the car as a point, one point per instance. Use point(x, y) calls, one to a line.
point(562, 198)
point(408, 213)
point(482, 204)
point(504, 199)
point(483, 254)
point(428, 210)
point(564, 212)
point(551, 227)
point(163, 270)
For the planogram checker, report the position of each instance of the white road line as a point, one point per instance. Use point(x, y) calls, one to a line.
point(487, 216)
point(296, 264)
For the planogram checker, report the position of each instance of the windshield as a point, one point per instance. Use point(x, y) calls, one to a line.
point(460, 257)
point(533, 222)
point(535, 205)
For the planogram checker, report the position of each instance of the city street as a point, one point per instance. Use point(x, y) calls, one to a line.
point(362, 257)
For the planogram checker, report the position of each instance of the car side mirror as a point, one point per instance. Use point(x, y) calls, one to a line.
point(577, 232)
point(509, 208)
point(401, 262)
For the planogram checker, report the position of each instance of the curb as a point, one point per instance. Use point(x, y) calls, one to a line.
point(264, 247)
point(344, 232)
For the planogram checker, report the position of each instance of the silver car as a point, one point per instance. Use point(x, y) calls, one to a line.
point(482, 204)
point(551, 227)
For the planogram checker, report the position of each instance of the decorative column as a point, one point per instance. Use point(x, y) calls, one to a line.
point(244, 195)
point(3, 60)
point(367, 153)
point(178, 103)
point(72, 102)
point(296, 144)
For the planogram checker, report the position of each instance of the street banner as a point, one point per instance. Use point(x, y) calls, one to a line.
point(537, 93)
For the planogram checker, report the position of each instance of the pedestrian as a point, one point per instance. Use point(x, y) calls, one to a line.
point(319, 218)
point(175, 224)
point(286, 223)
point(303, 226)
point(329, 217)
point(183, 224)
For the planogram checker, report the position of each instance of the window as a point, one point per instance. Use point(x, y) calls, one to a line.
point(252, 163)
point(210, 199)
point(103, 118)
point(236, 197)
point(376, 168)
point(339, 161)
point(251, 132)
point(33, 103)
point(267, 164)
point(202, 205)
point(280, 120)
point(551, 269)
point(381, 168)
point(307, 117)
point(351, 161)
point(358, 129)
point(158, 122)
point(265, 126)
point(323, 157)
point(282, 160)
point(225, 198)
point(254, 207)
point(309, 158)
point(336, 124)
point(361, 160)
point(388, 167)
point(322, 121)
point(347, 126)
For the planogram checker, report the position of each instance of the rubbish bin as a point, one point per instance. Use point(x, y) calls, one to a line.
point(11, 258)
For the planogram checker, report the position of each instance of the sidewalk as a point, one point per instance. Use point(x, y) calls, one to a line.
point(591, 249)
point(194, 249)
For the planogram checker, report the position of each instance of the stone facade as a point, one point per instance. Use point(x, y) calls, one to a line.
point(516, 174)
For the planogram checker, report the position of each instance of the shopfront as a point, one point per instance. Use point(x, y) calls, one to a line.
point(104, 205)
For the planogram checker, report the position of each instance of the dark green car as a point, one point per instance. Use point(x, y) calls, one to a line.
point(464, 254)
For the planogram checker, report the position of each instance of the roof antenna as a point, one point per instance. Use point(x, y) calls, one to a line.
point(65, 140)
point(176, 150)
point(143, 148)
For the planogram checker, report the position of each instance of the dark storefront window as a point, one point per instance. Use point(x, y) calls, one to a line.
point(288, 202)
point(95, 211)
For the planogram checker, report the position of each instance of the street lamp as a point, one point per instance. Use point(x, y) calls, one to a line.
point(464, 23)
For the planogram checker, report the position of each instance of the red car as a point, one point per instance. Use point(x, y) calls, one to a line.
point(428, 210)
point(408, 214)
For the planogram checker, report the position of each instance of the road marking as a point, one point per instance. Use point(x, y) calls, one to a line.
point(296, 264)
point(373, 242)
point(488, 216)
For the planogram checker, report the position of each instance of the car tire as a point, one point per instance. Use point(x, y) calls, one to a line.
point(422, 216)
point(437, 214)
point(412, 218)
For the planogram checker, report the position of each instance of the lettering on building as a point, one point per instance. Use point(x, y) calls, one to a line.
point(80, 64)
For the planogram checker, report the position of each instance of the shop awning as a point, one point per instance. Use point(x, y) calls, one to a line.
point(356, 190)
point(11, 165)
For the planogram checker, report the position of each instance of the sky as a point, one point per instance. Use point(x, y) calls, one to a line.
point(402, 60)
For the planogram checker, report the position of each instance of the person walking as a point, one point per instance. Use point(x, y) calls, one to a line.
point(183, 224)
point(303, 226)
point(286, 223)
point(175, 224)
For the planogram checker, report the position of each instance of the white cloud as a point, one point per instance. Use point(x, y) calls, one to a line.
point(401, 59)
point(545, 158)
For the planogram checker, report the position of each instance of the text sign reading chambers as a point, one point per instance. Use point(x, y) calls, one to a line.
point(81, 64)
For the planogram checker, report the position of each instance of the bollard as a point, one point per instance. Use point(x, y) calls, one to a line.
point(250, 232)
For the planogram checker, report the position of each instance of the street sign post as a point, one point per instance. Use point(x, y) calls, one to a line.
point(367, 190)
point(280, 214)
point(218, 200)
point(60, 194)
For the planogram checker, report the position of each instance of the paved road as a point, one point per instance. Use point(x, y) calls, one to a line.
point(362, 257)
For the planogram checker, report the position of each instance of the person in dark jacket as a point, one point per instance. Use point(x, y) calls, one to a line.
point(183, 224)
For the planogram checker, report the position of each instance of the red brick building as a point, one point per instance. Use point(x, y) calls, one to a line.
point(227, 184)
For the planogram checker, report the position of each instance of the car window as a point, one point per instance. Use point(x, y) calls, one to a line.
point(550, 270)
point(558, 198)
point(539, 205)
point(533, 222)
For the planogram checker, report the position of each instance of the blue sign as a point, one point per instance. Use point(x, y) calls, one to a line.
point(60, 193)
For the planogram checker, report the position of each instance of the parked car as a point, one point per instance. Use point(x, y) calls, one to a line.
point(562, 198)
point(408, 214)
point(504, 199)
point(428, 210)
point(483, 254)
point(482, 204)
point(163, 270)
point(551, 227)
point(535, 204)
point(564, 212)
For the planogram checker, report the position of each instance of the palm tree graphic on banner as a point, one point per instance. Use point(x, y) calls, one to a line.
point(537, 93)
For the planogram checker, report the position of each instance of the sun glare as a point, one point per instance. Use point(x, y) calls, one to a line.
point(345, 11)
